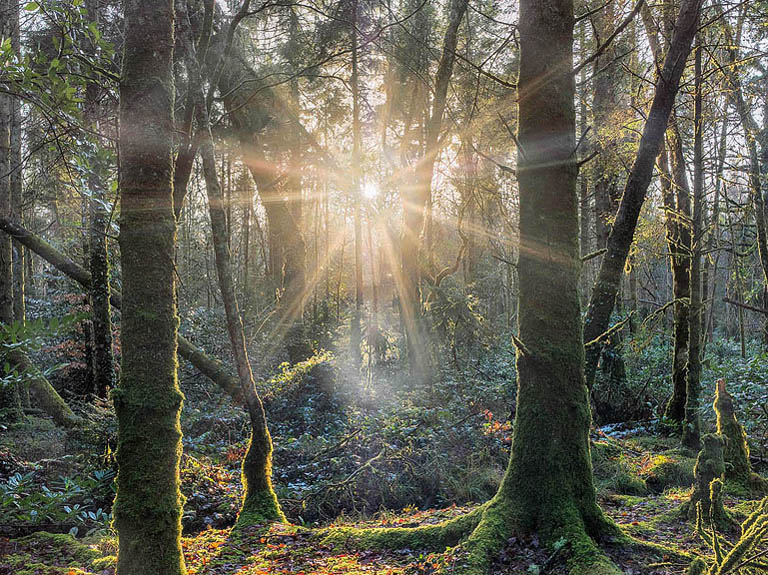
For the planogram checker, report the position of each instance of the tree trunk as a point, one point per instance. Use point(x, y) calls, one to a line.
point(148, 504)
point(606, 286)
point(548, 487)
point(260, 502)
point(416, 197)
point(692, 424)
point(103, 361)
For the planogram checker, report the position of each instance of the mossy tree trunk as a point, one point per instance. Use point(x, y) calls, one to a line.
point(736, 449)
point(548, 487)
point(675, 194)
point(260, 502)
point(147, 400)
point(603, 297)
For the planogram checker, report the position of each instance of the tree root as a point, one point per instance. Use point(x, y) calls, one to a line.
point(426, 537)
point(480, 535)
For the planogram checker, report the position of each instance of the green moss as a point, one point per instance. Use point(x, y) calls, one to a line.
point(59, 548)
point(427, 537)
point(708, 485)
point(103, 563)
point(260, 504)
point(736, 451)
point(54, 554)
point(668, 470)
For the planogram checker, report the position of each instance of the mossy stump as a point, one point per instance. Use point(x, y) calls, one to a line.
point(738, 467)
point(708, 472)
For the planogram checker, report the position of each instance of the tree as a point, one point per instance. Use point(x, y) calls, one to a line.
point(103, 360)
point(148, 504)
point(416, 197)
point(260, 502)
point(691, 422)
point(607, 283)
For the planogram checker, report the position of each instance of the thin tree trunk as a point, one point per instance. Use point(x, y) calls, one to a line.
point(260, 502)
point(692, 424)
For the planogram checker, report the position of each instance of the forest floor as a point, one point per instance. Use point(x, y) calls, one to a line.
point(622, 466)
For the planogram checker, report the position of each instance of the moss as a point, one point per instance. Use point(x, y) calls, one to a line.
point(59, 548)
point(736, 451)
point(260, 504)
point(668, 470)
point(45, 553)
point(707, 486)
point(427, 537)
point(103, 563)
point(260, 507)
point(697, 567)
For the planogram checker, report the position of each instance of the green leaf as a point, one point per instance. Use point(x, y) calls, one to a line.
point(31, 6)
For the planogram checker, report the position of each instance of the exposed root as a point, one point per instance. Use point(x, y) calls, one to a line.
point(492, 533)
point(426, 537)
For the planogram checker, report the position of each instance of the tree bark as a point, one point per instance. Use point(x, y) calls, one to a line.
point(148, 504)
point(103, 360)
point(260, 502)
point(606, 286)
point(548, 487)
point(692, 425)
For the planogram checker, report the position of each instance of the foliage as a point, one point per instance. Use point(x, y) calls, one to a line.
point(69, 502)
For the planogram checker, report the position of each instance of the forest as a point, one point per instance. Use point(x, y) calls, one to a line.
point(395, 287)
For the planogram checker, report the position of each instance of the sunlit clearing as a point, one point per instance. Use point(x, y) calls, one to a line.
point(370, 190)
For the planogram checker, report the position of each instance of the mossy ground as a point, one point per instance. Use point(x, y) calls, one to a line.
point(660, 540)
